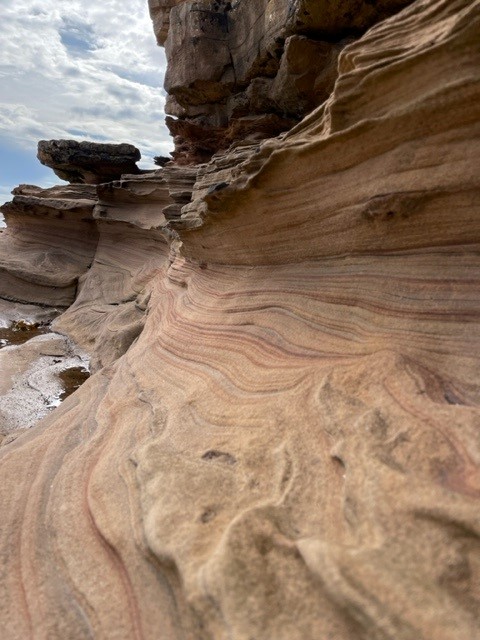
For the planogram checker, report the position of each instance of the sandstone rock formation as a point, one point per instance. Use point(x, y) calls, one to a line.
point(49, 242)
point(109, 311)
point(288, 447)
point(160, 14)
point(88, 162)
point(251, 69)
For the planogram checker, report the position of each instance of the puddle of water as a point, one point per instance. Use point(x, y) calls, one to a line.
point(72, 379)
point(21, 331)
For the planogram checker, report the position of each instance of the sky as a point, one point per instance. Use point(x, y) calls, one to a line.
point(77, 69)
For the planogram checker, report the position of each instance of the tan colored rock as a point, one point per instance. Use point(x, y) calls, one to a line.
point(198, 53)
point(48, 244)
point(160, 12)
point(95, 247)
point(109, 311)
point(197, 141)
point(331, 17)
point(180, 182)
point(136, 200)
point(290, 449)
point(367, 134)
point(108, 314)
point(306, 76)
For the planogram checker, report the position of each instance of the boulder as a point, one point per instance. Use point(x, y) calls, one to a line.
point(88, 162)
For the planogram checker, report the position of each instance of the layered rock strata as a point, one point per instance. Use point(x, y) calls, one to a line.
point(109, 311)
point(49, 242)
point(289, 449)
point(88, 162)
point(242, 69)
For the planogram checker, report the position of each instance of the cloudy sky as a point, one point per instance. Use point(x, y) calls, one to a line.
point(80, 69)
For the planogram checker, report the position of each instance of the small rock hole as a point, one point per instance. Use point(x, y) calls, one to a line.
point(208, 515)
point(221, 456)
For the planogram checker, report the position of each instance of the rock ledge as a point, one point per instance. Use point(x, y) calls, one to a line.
point(88, 162)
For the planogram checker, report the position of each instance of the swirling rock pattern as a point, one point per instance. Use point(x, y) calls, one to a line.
point(289, 449)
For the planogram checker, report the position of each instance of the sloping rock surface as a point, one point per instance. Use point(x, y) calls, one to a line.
point(109, 311)
point(288, 449)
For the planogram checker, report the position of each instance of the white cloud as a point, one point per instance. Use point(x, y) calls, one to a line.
point(83, 70)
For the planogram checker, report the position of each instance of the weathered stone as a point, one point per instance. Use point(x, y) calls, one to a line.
point(48, 244)
point(160, 14)
point(30, 385)
point(281, 438)
point(198, 53)
point(223, 53)
point(88, 162)
point(307, 74)
point(109, 312)
point(339, 17)
point(195, 141)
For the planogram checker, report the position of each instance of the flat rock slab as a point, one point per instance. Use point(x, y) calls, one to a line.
point(31, 382)
point(88, 162)
point(11, 312)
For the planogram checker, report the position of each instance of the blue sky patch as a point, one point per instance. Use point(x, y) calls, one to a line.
point(77, 37)
point(84, 70)
point(20, 165)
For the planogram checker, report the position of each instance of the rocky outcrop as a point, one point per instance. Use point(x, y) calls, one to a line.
point(160, 14)
point(240, 70)
point(403, 205)
point(49, 242)
point(92, 249)
point(289, 447)
point(110, 309)
point(88, 162)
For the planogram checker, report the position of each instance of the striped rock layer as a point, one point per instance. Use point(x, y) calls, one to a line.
point(289, 448)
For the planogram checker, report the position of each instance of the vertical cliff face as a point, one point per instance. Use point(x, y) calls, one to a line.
point(281, 436)
point(240, 69)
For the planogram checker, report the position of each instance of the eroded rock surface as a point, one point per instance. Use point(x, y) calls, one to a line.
point(88, 162)
point(160, 14)
point(288, 446)
point(241, 69)
point(49, 242)
point(31, 385)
